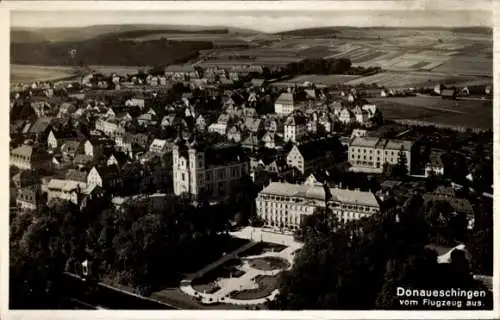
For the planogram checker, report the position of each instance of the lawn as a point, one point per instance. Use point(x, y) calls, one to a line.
point(208, 280)
point(29, 73)
point(269, 263)
point(467, 113)
point(267, 284)
point(262, 247)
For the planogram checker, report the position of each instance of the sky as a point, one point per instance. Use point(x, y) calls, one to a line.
point(267, 21)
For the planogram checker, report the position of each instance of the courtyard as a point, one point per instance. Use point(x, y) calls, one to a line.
point(247, 276)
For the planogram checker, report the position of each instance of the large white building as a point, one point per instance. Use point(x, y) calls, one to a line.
point(371, 153)
point(285, 205)
point(211, 171)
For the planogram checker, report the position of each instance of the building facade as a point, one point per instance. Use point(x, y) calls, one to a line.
point(212, 171)
point(284, 205)
point(374, 152)
point(285, 104)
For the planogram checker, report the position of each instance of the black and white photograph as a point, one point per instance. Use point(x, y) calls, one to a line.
point(271, 159)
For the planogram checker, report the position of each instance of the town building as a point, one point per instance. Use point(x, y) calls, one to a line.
point(26, 157)
point(284, 205)
point(29, 198)
point(310, 156)
point(295, 127)
point(435, 164)
point(212, 171)
point(285, 104)
point(181, 72)
point(371, 153)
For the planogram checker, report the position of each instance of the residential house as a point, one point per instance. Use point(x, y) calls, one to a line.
point(104, 176)
point(285, 104)
point(181, 72)
point(135, 102)
point(358, 133)
point(234, 134)
point(201, 123)
point(371, 108)
point(160, 146)
point(41, 108)
point(250, 142)
point(147, 119)
point(254, 125)
point(29, 198)
point(83, 160)
point(362, 116)
point(346, 116)
point(25, 178)
point(40, 129)
point(56, 139)
point(70, 148)
point(435, 164)
point(117, 159)
point(65, 109)
point(325, 123)
point(96, 147)
point(78, 175)
point(135, 144)
point(270, 140)
point(295, 127)
point(310, 156)
point(258, 83)
point(65, 190)
point(109, 128)
point(270, 125)
point(220, 126)
point(167, 121)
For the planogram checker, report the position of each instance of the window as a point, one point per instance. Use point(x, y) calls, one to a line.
point(183, 177)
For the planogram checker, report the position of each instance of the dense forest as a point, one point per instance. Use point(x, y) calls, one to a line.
point(107, 51)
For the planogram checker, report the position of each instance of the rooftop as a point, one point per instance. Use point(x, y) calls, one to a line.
point(365, 142)
point(285, 98)
point(317, 192)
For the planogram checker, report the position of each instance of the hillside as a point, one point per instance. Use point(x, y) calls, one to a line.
point(23, 35)
point(106, 51)
point(323, 31)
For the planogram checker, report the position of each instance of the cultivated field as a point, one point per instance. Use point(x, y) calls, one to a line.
point(327, 80)
point(466, 113)
point(411, 79)
point(30, 73)
point(119, 70)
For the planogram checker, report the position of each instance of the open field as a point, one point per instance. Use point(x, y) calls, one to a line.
point(29, 73)
point(413, 79)
point(327, 80)
point(119, 70)
point(466, 113)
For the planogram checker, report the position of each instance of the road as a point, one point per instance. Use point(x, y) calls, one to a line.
point(79, 294)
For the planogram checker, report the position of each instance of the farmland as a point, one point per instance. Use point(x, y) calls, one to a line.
point(327, 80)
point(28, 73)
point(119, 70)
point(411, 79)
point(467, 113)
